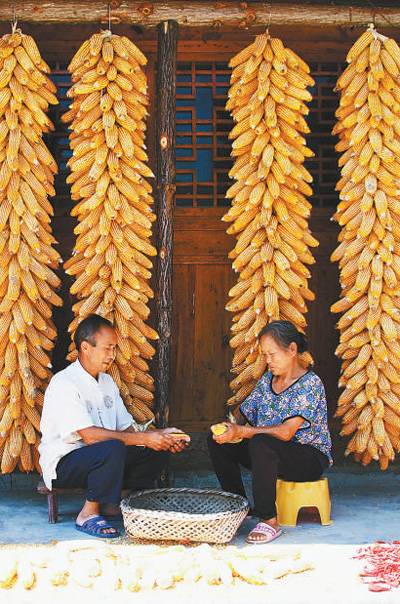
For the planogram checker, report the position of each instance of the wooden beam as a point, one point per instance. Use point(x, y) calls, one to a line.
point(165, 174)
point(242, 15)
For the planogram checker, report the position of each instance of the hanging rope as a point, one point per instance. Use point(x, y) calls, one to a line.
point(14, 21)
point(376, 11)
point(269, 5)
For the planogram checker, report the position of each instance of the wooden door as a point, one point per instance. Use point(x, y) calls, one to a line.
point(201, 356)
point(201, 353)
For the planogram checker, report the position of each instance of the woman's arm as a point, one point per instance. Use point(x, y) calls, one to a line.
point(238, 416)
point(284, 431)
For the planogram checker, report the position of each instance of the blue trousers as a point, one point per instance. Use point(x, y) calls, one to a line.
point(105, 468)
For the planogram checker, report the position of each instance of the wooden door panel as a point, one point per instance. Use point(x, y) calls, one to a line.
point(208, 245)
point(182, 352)
point(212, 354)
point(201, 248)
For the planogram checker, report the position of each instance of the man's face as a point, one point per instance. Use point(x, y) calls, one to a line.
point(100, 356)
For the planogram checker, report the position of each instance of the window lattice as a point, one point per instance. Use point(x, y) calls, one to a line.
point(202, 126)
point(321, 120)
point(58, 141)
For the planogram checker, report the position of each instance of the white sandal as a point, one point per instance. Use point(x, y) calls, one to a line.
point(268, 531)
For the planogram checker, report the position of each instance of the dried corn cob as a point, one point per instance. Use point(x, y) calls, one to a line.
point(368, 258)
point(28, 282)
point(269, 208)
point(111, 261)
point(90, 566)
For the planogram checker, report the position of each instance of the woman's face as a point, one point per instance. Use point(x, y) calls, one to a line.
point(279, 359)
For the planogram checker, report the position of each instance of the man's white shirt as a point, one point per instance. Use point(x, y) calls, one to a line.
point(75, 400)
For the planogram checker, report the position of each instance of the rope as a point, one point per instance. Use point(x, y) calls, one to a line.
point(379, 12)
point(14, 21)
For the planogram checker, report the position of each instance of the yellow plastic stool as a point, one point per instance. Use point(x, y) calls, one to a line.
point(292, 496)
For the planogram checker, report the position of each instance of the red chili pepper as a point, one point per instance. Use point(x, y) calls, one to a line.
point(382, 565)
point(378, 587)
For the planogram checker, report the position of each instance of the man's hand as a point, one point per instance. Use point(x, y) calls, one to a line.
point(178, 446)
point(158, 440)
point(164, 440)
point(179, 443)
point(233, 433)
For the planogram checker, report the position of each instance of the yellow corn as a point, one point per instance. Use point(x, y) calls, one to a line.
point(27, 246)
point(111, 268)
point(367, 258)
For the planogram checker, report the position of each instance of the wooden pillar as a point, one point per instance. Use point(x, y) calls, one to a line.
point(165, 174)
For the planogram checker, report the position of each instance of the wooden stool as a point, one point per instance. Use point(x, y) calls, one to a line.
point(52, 502)
point(292, 496)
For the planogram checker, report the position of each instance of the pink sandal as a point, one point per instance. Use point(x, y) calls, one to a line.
point(269, 533)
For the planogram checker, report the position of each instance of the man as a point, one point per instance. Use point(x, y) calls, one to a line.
point(89, 440)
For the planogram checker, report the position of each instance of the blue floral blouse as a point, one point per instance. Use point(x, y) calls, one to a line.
point(305, 398)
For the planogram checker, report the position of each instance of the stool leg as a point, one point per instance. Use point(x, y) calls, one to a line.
point(288, 515)
point(325, 514)
point(52, 507)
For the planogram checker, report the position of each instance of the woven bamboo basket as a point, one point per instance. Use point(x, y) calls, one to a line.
point(200, 515)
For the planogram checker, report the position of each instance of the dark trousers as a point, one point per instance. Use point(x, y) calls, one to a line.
point(105, 468)
point(269, 459)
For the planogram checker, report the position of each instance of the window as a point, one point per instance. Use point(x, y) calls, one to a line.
point(202, 127)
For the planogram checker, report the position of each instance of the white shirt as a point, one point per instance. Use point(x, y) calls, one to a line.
point(75, 400)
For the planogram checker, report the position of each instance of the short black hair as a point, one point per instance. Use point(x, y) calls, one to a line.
point(284, 333)
point(87, 329)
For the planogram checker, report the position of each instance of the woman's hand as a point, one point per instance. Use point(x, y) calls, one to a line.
point(232, 434)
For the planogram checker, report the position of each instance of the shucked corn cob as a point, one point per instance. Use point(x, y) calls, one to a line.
point(108, 180)
point(369, 251)
point(142, 568)
point(27, 281)
point(269, 210)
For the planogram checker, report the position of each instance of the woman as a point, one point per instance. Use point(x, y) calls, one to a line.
point(286, 435)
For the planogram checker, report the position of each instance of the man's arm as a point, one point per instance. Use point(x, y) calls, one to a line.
point(159, 440)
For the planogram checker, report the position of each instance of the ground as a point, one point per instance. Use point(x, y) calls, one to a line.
point(365, 508)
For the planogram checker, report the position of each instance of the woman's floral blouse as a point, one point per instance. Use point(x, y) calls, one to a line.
point(305, 398)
